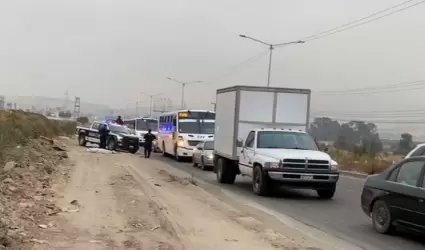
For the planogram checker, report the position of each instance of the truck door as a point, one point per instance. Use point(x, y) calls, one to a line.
point(247, 154)
point(93, 134)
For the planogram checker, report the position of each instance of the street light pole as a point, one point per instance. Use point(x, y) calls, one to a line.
point(271, 48)
point(150, 101)
point(183, 88)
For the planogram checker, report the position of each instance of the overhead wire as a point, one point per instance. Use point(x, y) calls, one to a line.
point(373, 88)
point(353, 24)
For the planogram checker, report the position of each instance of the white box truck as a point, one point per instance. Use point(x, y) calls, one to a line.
point(261, 133)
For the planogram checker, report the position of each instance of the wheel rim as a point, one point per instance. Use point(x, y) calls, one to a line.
point(381, 216)
point(81, 140)
point(111, 145)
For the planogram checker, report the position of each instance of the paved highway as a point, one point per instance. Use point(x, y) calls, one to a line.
point(341, 217)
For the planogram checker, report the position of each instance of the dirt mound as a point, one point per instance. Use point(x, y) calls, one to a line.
point(27, 168)
point(18, 127)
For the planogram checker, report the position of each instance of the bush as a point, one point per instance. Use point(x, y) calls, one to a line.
point(17, 127)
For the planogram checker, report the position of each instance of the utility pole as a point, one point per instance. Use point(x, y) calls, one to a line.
point(183, 88)
point(150, 101)
point(271, 48)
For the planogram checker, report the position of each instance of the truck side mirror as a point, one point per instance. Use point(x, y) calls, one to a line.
point(239, 142)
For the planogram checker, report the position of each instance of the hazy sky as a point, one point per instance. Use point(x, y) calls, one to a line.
point(108, 51)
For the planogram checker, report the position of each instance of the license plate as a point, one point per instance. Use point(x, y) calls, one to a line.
point(307, 177)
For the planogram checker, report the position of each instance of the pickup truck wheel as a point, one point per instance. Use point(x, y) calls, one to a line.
point(111, 144)
point(381, 217)
point(261, 183)
point(134, 150)
point(326, 194)
point(82, 140)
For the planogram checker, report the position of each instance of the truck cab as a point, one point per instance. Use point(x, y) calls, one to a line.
point(274, 157)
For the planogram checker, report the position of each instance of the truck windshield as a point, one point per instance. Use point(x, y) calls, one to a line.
point(119, 129)
point(286, 140)
point(196, 127)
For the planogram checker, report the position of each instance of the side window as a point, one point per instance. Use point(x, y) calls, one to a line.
point(419, 151)
point(95, 125)
point(409, 173)
point(250, 140)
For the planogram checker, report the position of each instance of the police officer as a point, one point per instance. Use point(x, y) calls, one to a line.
point(149, 138)
point(103, 131)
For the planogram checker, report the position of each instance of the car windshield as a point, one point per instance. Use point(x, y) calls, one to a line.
point(286, 140)
point(196, 127)
point(209, 145)
point(119, 129)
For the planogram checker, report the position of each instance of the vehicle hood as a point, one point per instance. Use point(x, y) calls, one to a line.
point(208, 152)
point(281, 154)
point(126, 135)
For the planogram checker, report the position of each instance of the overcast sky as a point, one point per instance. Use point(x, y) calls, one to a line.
point(107, 51)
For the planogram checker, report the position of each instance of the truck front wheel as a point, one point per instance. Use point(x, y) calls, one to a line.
point(82, 140)
point(225, 173)
point(261, 183)
point(326, 194)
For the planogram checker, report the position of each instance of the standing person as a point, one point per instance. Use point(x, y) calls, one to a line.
point(119, 120)
point(103, 131)
point(149, 138)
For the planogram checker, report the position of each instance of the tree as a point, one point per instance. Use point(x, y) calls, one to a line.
point(405, 144)
point(324, 129)
point(83, 119)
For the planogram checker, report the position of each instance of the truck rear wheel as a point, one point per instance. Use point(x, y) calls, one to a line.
point(134, 150)
point(262, 185)
point(225, 173)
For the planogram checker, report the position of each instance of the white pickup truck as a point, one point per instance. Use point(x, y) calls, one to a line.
point(261, 133)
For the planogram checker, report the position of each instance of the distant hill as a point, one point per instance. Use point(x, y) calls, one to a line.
point(27, 102)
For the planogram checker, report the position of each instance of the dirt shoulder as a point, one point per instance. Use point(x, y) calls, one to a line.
point(123, 201)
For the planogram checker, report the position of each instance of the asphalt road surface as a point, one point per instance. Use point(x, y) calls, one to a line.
point(341, 217)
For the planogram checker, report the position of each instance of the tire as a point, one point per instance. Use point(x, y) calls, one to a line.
point(194, 162)
point(326, 194)
point(381, 218)
point(176, 156)
point(164, 153)
point(134, 150)
point(82, 140)
point(225, 174)
point(111, 144)
point(261, 183)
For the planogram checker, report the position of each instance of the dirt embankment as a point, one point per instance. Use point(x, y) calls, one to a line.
point(28, 167)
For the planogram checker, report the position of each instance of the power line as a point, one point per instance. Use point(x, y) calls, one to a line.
point(379, 87)
point(372, 111)
point(356, 21)
point(338, 30)
point(379, 121)
point(236, 67)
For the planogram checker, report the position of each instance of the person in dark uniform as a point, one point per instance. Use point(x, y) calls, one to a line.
point(119, 120)
point(149, 138)
point(103, 131)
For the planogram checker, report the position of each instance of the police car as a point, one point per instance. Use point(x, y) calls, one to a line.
point(119, 137)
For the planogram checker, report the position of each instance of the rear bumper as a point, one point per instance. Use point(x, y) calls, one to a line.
point(305, 179)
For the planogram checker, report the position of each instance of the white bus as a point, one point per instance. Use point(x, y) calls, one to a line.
point(141, 126)
point(180, 131)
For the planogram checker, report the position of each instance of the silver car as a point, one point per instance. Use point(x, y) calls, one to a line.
point(203, 155)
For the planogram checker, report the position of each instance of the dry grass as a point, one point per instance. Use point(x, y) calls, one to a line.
point(363, 163)
point(18, 127)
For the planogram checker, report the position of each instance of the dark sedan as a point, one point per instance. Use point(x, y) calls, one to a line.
point(396, 197)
